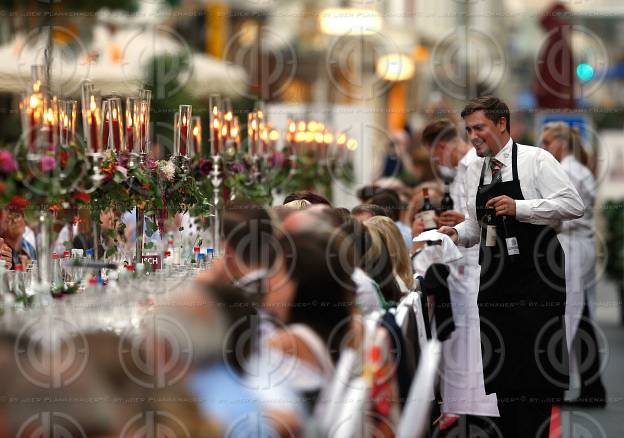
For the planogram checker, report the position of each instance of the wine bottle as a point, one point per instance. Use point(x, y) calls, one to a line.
point(427, 213)
point(447, 202)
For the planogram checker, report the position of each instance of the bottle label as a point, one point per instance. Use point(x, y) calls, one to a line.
point(490, 235)
point(512, 246)
point(428, 218)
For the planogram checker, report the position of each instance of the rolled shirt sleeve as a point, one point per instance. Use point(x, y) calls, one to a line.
point(557, 199)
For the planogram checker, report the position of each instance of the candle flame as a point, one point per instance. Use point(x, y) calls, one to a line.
point(92, 105)
point(301, 126)
point(342, 139)
point(66, 121)
point(184, 120)
point(274, 135)
point(37, 86)
point(228, 116)
point(49, 116)
point(352, 144)
point(114, 113)
point(196, 131)
point(215, 123)
point(34, 101)
point(224, 131)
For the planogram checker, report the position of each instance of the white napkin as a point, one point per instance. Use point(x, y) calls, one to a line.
point(446, 253)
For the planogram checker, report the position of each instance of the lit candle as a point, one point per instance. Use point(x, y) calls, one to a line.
point(49, 121)
point(196, 134)
point(224, 134)
point(66, 128)
point(142, 132)
point(116, 127)
point(106, 129)
point(34, 119)
point(93, 126)
point(216, 131)
point(130, 135)
point(184, 135)
point(235, 133)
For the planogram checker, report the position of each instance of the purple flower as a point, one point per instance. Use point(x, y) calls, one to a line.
point(47, 163)
point(150, 164)
point(277, 159)
point(122, 161)
point(238, 167)
point(7, 162)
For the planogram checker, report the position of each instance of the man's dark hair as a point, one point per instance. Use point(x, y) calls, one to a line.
point(248, 230)
point(492, 107)
point(440, 130)
point(374, 210)
point(311, 197)
point(367, 192)
point(390, 200)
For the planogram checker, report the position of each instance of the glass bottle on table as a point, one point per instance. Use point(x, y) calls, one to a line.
point(58, 284)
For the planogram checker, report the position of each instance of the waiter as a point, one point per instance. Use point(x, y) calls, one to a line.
point(461, 385)
point(517, 194)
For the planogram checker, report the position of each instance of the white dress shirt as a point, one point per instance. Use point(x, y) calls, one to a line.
point(458, 193)
point(585, 185)
point(549, 195)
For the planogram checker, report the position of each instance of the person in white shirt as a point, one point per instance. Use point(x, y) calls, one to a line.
point(517, 195)
point(579, 245)
point(461, 385)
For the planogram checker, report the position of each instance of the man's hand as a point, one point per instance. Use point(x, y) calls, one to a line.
point(6, 254)
point(449, 231)
point(450, 218)
point(504, 205)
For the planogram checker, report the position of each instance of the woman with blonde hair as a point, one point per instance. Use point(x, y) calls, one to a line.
point(399, 256)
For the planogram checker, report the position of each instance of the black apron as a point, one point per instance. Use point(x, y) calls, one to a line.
point(521, 301)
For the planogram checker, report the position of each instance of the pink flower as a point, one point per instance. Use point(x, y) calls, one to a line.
point(7, 162)
point(47, 163)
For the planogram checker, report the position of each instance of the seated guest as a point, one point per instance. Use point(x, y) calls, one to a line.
point(390, 200)
point(311, 197)
point(366, 211)
point(368, 294)
point(398, 252)
point(12, 228)
point(219, 326)
point(377, 263)
point(312, 296)
point(248, 246)
point(84, 238)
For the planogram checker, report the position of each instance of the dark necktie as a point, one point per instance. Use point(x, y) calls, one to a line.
point(496, 166)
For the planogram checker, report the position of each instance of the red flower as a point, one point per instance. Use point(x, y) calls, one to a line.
point(54, 208)
point(18, 202)
point(82, 197)
point(63, 158)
